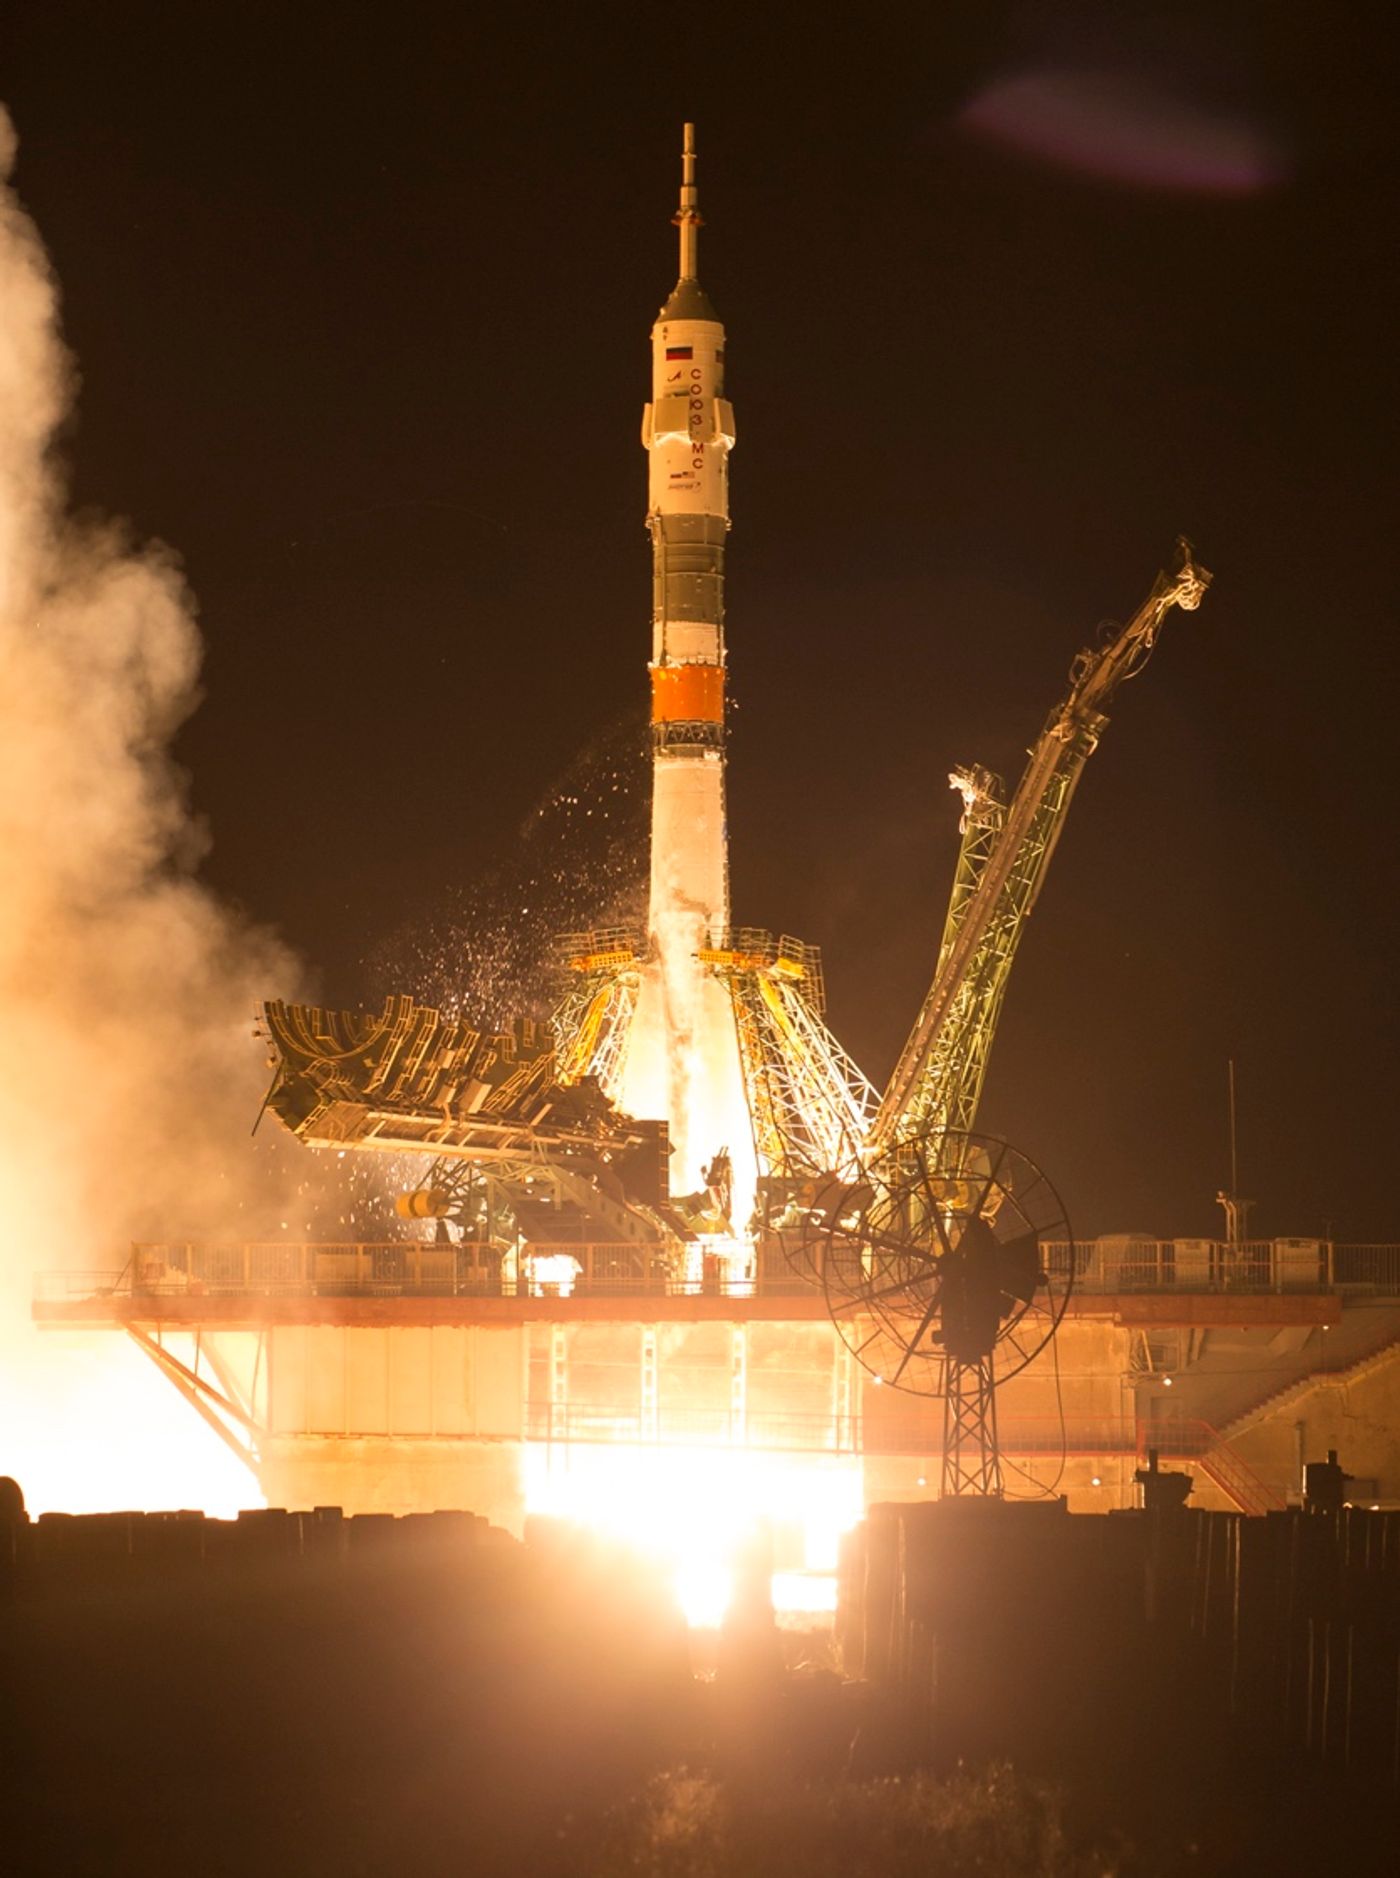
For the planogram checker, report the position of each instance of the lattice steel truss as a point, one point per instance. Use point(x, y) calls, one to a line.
point(971, 1450)
point(411, 1081)
point(1001, 868)
point(809, 1103)
point(970, 982)
point(592, 1023)
point(936, 1278)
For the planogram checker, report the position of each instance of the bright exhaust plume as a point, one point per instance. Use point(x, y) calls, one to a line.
point(694, 1509)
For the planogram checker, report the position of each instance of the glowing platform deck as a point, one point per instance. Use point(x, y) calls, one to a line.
point(247, 1284)
point(1181, 1283)
point(104, 1308)
point(409, 1375)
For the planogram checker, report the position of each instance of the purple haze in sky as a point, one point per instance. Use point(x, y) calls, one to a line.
point(1124, 128)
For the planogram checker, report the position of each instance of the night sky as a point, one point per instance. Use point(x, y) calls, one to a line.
point(361, 299)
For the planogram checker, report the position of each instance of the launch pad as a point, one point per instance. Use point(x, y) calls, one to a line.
point(636, 1209)
point(388, 1378)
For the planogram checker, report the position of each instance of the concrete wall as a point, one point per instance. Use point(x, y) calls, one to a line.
point(397, 1420)
point(328, 1379)
point(401, 1419)
point(385, 1476)
point(1357, 1413)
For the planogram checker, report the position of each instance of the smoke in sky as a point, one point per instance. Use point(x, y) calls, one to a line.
point(129, 1079)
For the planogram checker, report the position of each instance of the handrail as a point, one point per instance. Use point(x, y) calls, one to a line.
point(918, 1433)
point(1187, 1437)
point(1107, 1266)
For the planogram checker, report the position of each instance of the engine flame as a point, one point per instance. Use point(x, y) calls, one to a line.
point(693, 1509)
point(91, 1427)
point(683, 1065)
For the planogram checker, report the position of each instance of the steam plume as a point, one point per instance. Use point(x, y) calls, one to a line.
point(128, 1076)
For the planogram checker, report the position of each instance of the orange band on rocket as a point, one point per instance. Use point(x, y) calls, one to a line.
point(687, 694)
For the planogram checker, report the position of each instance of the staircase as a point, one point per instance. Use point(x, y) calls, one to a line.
point(1183, 1438)
point(1385, 1350)
point(1238, 1482)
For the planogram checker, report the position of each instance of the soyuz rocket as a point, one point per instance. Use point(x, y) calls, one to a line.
point(683, 1064)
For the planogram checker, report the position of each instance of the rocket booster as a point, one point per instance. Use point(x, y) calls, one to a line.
point(684, 1063)
point(688, 432)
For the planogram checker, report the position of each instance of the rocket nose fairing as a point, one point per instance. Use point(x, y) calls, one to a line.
point(683, 1064)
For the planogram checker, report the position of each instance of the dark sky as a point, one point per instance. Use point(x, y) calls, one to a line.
point(361, 297)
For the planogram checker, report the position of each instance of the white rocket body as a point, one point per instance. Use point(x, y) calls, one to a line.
point(683, 1064)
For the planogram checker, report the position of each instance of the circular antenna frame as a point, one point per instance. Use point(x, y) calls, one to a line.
point(937, 1258)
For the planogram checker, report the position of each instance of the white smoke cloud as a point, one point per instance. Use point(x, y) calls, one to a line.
point(128, 1075)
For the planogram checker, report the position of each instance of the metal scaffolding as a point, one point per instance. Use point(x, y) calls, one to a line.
point(938, 1079)
point(810, 1105)
point(592, 1023)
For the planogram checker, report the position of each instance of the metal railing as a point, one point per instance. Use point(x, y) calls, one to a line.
point(1184, 1437)
point(80, 1287)
point(915, 1435)
point(1367, 1267)
point(1259, 1265)
point(417, 1268)
point(396, 1268)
